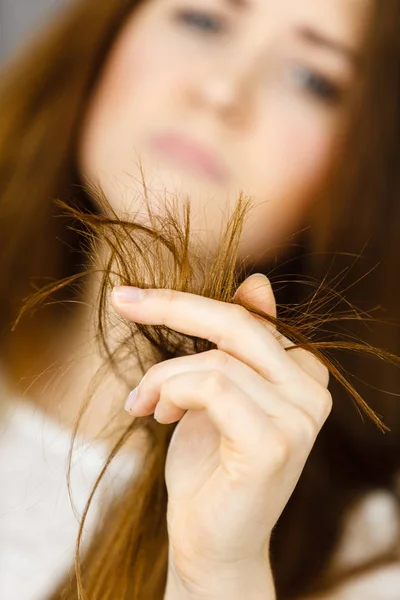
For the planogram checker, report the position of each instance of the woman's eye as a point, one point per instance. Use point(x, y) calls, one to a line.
point(204, 22)
point(318, 85)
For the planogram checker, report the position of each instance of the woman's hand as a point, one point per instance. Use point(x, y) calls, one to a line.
point(249, 415)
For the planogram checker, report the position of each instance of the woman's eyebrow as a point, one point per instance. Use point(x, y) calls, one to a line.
point(238, 3)
point(326, 42)
point(312, 36)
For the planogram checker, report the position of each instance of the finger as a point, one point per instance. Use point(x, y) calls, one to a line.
point(257, 291)
point(252, 442)
point(230, 326)
point(143, 400)
point(309, 363)
point(242, 424)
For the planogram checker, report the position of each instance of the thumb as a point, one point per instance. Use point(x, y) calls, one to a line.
point(257, 291)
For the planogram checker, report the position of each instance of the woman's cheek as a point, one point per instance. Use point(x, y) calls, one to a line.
point(305, 141)
point(141, 73)
point(134, 96)
point(296, 156)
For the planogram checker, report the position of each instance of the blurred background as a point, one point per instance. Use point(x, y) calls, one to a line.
point(19, 18)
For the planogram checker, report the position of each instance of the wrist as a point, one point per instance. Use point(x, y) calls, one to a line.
point(252, 580)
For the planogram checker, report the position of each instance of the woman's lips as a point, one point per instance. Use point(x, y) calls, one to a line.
point(190, 154)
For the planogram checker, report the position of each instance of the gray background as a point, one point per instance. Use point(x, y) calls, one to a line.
point(19, 18)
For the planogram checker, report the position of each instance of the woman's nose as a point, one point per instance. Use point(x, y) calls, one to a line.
point(229, 90)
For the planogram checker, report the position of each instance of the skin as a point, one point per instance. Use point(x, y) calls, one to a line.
point(170, 70)
point(252, 412)
point(253, 409)
point(262, 114)
point(271, 115)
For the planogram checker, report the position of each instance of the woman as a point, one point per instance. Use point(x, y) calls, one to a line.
point(123, 103)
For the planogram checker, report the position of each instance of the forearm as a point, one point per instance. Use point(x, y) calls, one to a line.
point(252, 582)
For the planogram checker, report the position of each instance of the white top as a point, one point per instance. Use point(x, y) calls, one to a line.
point(38, 528)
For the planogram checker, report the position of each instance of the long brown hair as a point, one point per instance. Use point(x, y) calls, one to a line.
point(43, 96)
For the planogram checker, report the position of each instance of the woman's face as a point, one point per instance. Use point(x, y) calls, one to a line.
point(211, 98)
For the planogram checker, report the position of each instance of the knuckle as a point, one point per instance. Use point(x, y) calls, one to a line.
point(166, 295)
point(319, 370)
point(168, 386)
point(277, 453)
point(326, 401)
point(240, 313)
point(319, 401)
point(322, 371)
point(312, 365)
point(307, 429)
point(214, 382)
point(219, 358)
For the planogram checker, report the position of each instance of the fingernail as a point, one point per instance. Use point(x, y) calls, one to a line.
point(131, 400)
point(161, 413)
point(259, 275)
point(124, 294)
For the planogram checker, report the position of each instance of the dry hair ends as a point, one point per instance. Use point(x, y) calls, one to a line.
point(47, 244)
point(137, 530)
